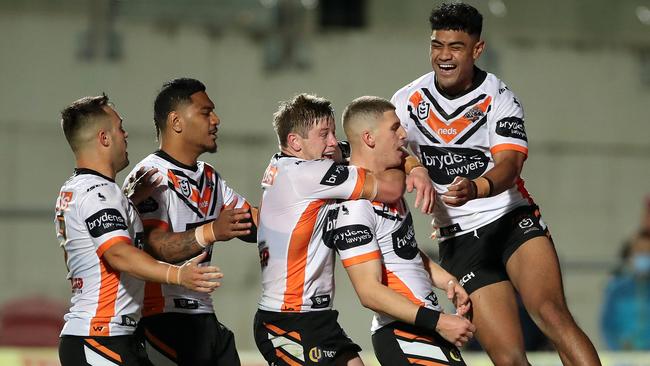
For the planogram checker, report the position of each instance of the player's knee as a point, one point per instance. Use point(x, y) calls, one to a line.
point(554, 316)
point(509, 358)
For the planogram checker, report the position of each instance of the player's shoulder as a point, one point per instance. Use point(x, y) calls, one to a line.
point(404, 92)
point(351, 208)
point(90, 187)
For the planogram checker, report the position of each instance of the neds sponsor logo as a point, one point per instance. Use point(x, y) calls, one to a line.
point(445, 163)
point(105, 221)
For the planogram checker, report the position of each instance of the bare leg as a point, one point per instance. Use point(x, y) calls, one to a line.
point(349, 359)
point(496, 318)
point(534, 270)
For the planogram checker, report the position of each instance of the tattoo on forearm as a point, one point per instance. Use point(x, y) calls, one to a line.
point(175, 247)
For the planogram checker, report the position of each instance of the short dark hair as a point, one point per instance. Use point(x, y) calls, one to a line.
point(457, 17)
point(79, 114)
point(299, 114)
point(172, 94)
point(366, 106)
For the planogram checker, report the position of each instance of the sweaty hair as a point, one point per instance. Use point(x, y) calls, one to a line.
point(457, 17)
point(366, 108)
point(80, 114)
point(299, 114)
point(172, 94)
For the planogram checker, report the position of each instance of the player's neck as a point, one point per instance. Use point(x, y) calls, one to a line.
point(366, 161)
point(97, 165)
point(179, 152)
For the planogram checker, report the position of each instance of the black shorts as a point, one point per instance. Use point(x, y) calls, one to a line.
point(118, 350)
point(479, 258)
point(401, 344)
point(188, 340)
point(313, 338)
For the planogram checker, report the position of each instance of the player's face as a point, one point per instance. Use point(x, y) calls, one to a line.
point(390, 137)
point(201, 123)
point(120, 156)
point(453, 54)
point(321, 140)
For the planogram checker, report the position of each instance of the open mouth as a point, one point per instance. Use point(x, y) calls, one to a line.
point(328, 155)
point(447, 68)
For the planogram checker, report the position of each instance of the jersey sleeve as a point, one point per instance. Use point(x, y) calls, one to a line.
point(354, 235)
point(229, 195)
point(507, 131)
point(104, 214)
point(326, 179)
point(153, 210)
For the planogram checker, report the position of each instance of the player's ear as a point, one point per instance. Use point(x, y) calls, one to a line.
point(104, 137)
point(174, 121)
point(478, 49)
point(294, 141)
point(368, 138)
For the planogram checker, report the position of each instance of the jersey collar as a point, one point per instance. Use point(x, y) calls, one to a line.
point(80, 171)
point(168, 157)
point(477, 80)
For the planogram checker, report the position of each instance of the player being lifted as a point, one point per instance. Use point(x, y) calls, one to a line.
point(101, 235)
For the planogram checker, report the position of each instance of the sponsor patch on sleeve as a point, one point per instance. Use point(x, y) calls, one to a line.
point(512, 127)
point(351, 236)
point(105, 221)
point(335, 175)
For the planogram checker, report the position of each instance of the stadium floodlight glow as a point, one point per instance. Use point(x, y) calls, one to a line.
point(498, 8)
point(643, 14)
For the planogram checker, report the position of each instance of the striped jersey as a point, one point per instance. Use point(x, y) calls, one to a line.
point(458, 137)
point(367, 231)
point(194, 195)
point(297, 267)
point(92, 214)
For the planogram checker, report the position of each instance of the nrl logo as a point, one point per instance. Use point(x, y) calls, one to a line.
point(185, 187)
point(474, 114)
point(423, 110)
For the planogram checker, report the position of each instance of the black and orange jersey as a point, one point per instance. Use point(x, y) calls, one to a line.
point(459, 137)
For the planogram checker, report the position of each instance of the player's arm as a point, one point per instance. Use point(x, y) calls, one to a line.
point(446, 281)
point(123, 257)
point(366, 280)
point(503, 175)
point(418, 178)
point(174, 247)
point(387, 186)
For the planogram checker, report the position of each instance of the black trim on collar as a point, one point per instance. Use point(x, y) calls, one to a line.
point(478, 79)
point(169, 158)
point(80, 171)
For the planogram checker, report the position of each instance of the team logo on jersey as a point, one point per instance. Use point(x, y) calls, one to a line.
point(335, 175)
point(184, 185)
point(351, 236)
point(404, 243)
point(474, 114)
point(101, 197)
point(512, 127)
point(105, 221)
point(423, 110)
point(445, 163)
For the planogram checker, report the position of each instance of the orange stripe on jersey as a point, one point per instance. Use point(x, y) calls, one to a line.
point(393, 282)
point(194, 197)
point(208, 189)
point(280, 332)
point(411, 336)
point(154, 302)
point(150, 224)
point(358, 187)
point(506, 147)
point(110, 281)
point(103, 349)
point(297, 256)
point(445, 130)
point(286, 358)
point(160, 344)
point(417, 361)
point(362, 258)
point(103, 247)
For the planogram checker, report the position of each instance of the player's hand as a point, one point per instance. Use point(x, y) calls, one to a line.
point(459, 192)
point(140, 185)
point(425, 197)
point(201, 279)
point(458, 296)
point(228, 225)
point(455, 329)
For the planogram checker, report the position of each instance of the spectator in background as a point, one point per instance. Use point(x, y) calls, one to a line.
point(625, 318)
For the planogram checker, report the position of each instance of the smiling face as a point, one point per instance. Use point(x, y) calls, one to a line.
point(453, 54)
point(320, 141)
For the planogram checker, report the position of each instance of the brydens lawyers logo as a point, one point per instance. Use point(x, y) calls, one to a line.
point(351, 236)
point(445, 163)
point(105, 221)
point(336, 175)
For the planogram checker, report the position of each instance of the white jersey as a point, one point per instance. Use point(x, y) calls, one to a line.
point(92, 214)
point(297, 267)
point(372, 230)
point(458, 137)
point(194, 196)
